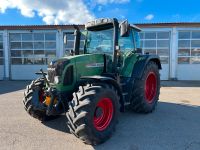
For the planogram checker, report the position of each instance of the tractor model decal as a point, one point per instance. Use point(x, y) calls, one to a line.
point(94, 65)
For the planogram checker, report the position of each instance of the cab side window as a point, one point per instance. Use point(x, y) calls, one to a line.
point(127, 43)
point(137, 39)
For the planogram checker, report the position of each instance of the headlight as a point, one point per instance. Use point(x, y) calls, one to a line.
point(56, 79)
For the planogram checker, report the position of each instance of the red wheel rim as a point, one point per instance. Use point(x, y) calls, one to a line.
point(150, 87)
point(41, 96)
point(103, 114)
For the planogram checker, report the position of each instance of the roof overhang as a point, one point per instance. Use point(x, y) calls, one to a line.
point(135, 27)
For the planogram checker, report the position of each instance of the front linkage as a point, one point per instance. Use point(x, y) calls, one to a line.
point(41, 100)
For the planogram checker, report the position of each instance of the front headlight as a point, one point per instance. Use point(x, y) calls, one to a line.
point(56, 79)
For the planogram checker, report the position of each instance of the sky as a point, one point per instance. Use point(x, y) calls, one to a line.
point(33, 12)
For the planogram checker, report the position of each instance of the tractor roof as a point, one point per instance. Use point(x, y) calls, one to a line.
point(106, 22)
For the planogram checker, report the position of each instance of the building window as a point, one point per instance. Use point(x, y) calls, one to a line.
point(70, 43)
point(1, 49)
point(32, 48)
point(156, 43)
point(189, 47)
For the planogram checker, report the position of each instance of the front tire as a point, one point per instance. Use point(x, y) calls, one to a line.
point(146, 90)
point(28, 96)
point(93, 113)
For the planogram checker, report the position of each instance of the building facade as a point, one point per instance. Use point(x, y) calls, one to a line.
point(26, 49)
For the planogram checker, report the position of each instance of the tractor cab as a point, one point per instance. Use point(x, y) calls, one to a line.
point(110, 36)
point(117, 41)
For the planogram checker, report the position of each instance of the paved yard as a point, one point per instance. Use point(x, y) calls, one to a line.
point(174, 125)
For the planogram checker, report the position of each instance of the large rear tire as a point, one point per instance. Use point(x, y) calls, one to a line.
point(146, 90)
point(93, 113)
point(28, 95)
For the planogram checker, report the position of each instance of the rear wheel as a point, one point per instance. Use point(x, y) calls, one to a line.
point(93, 113)
point(146, 90)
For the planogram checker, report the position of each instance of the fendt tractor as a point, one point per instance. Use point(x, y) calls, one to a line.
point(111, 75)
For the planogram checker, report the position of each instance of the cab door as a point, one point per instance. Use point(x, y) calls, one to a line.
point(127, 54)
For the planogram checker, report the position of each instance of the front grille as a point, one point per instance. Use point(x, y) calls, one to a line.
point(55, 68)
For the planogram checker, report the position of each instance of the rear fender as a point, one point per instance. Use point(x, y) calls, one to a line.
point(141, 63)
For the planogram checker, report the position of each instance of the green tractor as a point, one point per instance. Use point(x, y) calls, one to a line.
point(93, 87)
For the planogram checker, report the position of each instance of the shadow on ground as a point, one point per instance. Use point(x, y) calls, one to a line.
point(57, 123)
point(171, 126)
point(11, 86)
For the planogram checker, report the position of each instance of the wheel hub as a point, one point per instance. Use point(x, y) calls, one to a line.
point(150, 87)
point(103, 114)
point(98, 112)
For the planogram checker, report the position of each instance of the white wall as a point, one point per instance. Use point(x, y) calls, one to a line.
point(188, 72)
point(164, 73)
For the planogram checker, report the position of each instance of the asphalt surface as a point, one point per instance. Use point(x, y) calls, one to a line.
point(174, 125)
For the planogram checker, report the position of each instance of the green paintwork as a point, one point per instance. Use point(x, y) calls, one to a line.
point(92, 64)
point(83, 65)
point(129, 59)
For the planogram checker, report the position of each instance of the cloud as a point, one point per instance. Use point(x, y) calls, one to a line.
point(51, 11)
point(149, 17)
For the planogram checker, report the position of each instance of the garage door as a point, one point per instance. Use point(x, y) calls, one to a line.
point(1, 58)
point(188, 55)
point(157, 42)
point(29, 52)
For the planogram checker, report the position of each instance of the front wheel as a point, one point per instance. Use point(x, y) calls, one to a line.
point(28, 99)
point(146, 90)
point(93, 113)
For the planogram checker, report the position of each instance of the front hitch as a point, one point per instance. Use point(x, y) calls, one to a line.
point(52, 92)
point(44, 76)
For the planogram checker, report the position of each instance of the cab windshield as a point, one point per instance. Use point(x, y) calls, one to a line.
point(99, 41)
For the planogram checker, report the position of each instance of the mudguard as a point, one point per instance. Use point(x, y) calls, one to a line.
point(141, 64)
point(107, 80)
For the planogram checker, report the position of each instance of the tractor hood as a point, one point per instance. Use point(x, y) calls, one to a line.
point(70, 69)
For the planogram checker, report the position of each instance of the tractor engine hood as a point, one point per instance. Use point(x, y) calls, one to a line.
point(83, 65)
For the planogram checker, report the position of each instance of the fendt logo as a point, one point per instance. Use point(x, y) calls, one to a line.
point(51, 69)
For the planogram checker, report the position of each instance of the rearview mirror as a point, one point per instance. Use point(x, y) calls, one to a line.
point(124, 29)
point(65, 39)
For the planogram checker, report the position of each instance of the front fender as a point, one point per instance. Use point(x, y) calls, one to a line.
point(108, 80)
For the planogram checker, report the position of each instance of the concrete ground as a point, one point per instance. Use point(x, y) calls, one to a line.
point(174, 125)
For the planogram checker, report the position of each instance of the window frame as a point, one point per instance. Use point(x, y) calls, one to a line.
point(191, 57)
point(34, 40)
point(156, 39)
